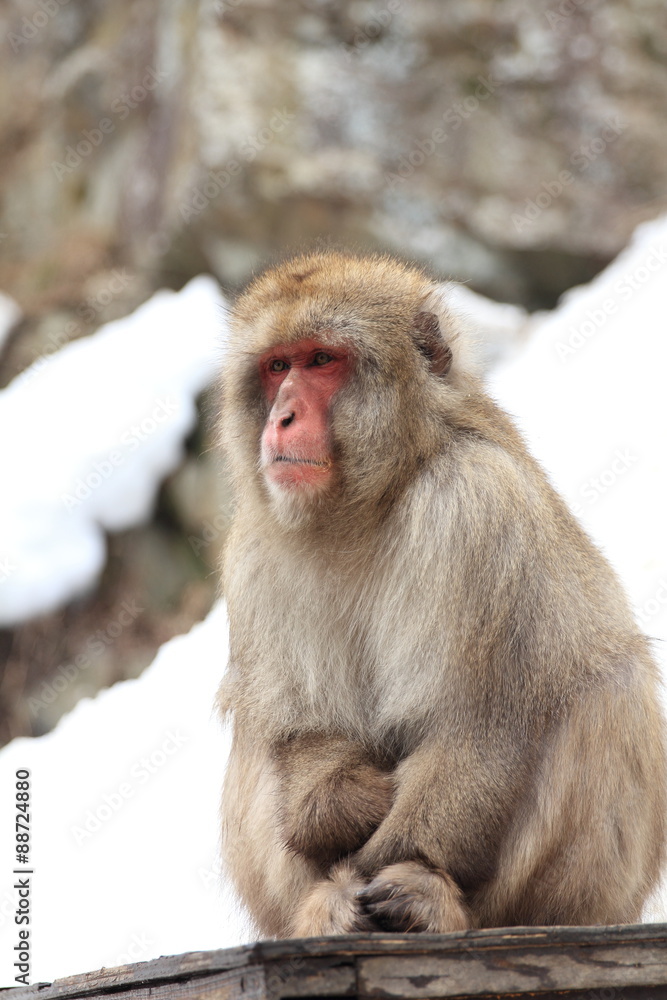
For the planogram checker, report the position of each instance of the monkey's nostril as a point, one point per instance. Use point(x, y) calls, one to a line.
point(286, 421)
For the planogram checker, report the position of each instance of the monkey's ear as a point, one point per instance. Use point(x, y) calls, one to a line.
point(430, 341)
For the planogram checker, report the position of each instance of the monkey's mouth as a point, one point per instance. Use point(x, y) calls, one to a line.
point(321, 464)
point(292, 472)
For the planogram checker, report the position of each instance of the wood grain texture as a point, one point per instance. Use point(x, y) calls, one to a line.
point(474, 973)
point(127, 977)
point(580, 963)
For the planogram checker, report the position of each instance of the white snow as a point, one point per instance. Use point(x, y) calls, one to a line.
point(88, 434)
point(145, 882)
point(496, 328)
point(589, 393)
point(125, 795)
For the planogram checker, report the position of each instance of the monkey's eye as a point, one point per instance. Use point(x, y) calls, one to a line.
point(322, 358)
point(278, 366)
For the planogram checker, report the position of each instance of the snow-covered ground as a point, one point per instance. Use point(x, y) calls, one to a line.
point(124, 815)
point(87, 435)
point(125, 790)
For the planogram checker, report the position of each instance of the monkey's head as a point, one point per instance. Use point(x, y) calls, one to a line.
point(340, 381)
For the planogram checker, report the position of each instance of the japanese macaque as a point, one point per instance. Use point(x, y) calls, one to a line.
point(443, 713)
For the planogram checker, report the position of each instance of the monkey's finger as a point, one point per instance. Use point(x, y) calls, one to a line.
point(377, 891)
point(408, 896)
point(390, 906)
point(397, 914)
point(363, 923)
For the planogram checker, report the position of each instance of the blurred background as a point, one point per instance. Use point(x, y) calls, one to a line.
point(513, 146)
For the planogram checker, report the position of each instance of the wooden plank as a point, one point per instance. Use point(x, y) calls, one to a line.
point(629, 993)
point(380, 944)
point(547, 958)
point(476, 972)
point(169, 968)
point(306, 977)
point(238, 984)
point(248, 983)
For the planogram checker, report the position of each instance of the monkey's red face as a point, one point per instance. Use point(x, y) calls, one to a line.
point(299, 381)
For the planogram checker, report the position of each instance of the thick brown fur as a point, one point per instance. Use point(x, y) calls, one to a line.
point(444, 715)
point(334, 795)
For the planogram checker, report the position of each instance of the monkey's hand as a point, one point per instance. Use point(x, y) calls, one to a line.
point(334, 796)
point(408, 896)
point(340, 814)
point(452, 806)
point(332, 906)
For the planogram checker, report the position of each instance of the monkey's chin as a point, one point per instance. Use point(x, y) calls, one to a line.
point(295, 499)
point(298, 475)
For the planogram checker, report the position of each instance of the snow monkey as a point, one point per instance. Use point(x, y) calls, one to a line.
point(443, 713)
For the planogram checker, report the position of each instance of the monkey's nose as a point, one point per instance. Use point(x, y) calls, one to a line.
point(286, 421)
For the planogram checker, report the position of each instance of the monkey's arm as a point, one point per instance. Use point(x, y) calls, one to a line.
point(333, 795)
point(441, 837)
point(451, 807)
